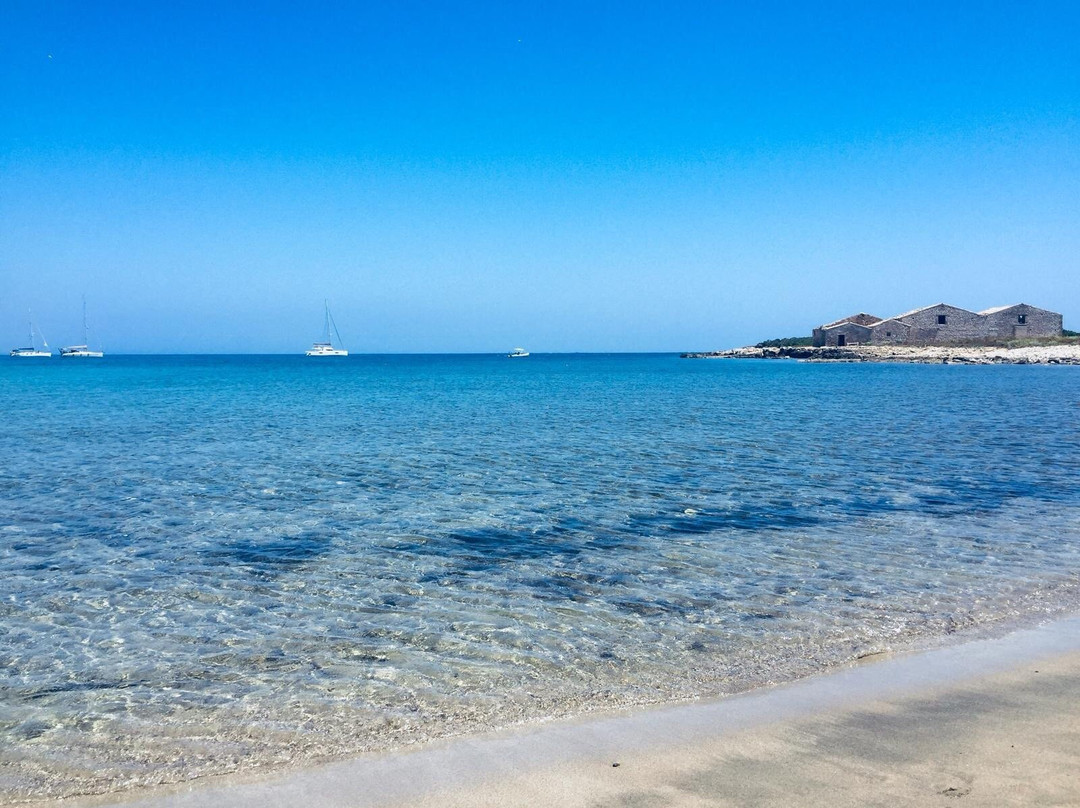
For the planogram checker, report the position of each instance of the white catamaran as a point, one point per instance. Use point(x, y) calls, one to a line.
point(33, 352)
point(326, 347)
point(82, 351)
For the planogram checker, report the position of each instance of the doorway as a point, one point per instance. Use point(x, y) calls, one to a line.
point(841, 340)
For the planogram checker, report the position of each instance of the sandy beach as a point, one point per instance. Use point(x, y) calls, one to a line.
point(994, 722)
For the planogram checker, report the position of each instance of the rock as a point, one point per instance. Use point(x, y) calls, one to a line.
point(927, 354)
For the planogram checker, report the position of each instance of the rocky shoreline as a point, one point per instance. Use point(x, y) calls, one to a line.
point(925, 354)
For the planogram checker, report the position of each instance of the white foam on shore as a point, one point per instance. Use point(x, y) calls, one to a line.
point(403, 777)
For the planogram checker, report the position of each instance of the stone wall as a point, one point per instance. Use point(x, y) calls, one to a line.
point(1024, 321)
point(943, 325)
point(889, 332)
point(853, 333)
point(968, 326)
point(960, 325)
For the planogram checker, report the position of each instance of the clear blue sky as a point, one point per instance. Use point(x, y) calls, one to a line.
point(564, 176)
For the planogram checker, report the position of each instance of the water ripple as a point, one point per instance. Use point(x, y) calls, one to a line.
point(217, 563)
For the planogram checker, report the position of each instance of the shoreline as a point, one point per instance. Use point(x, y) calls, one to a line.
point(569, 761)
point(918, 354)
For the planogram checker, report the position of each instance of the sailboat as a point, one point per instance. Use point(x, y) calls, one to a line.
point(82, 351)
point(33, 352)
point(326, 347)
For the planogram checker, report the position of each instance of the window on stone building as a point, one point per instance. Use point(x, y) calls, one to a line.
point(941, 319)
point(1022, 319)
point(888, 333)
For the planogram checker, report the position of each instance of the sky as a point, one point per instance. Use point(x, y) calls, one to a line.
point(469, 177)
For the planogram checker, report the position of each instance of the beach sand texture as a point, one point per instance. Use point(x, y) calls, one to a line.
point(987, 723)
point(1011, 739)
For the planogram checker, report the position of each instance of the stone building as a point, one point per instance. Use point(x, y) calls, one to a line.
point(941, 324)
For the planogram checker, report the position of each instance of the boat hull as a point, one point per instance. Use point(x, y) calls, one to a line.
point(327, 352)
point(21, 353)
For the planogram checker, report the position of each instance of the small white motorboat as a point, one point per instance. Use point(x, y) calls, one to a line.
point(518, 353)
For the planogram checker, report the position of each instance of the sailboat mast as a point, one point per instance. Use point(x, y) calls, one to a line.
point(337, 333)
point(85, 330)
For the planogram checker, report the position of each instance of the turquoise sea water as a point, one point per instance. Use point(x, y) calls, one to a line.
point(215, 563)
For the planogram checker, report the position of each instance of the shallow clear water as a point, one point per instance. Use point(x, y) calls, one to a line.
point(212, 563)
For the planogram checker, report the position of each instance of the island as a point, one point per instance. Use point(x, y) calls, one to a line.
point(1017, 334)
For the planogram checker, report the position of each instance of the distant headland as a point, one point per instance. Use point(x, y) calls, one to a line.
point(941, 333)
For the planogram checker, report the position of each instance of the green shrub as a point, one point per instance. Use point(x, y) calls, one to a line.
point(786, 342)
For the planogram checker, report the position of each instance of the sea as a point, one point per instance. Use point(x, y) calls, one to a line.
point(214, 564)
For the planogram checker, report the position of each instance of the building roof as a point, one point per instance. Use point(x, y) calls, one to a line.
point(862, 318)
point(924, 308)
point(869, 320)
point(842, 323)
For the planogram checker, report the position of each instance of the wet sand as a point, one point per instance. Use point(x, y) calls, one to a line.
point(991, 722)
point(1011, 739)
